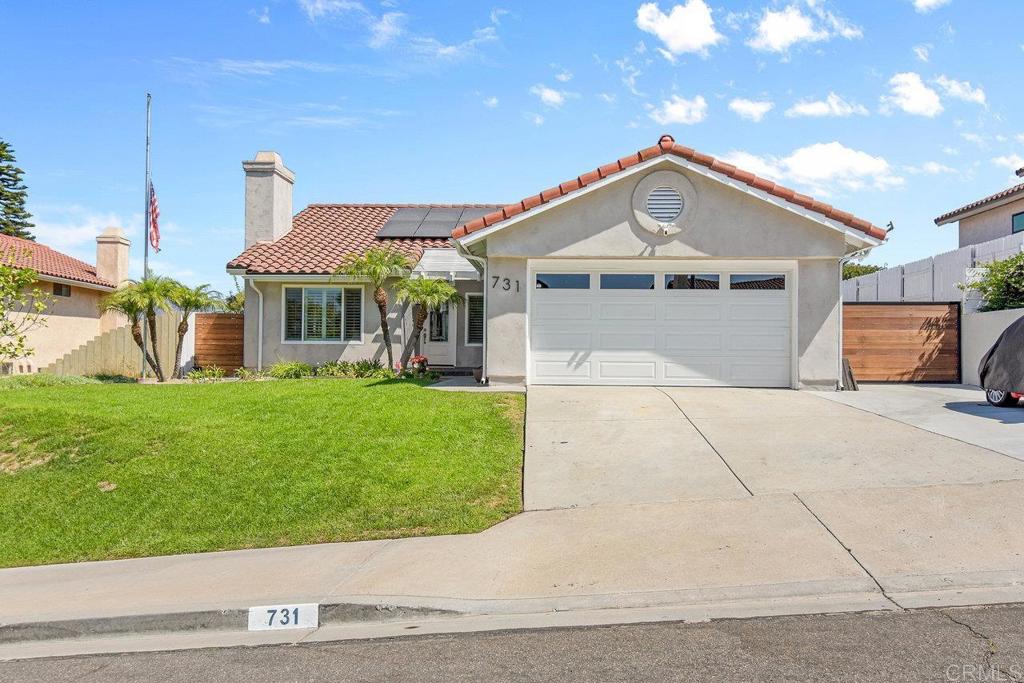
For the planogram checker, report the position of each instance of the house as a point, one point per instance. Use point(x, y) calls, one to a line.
point(987, 219)
point(665, 267)
point(76, 287)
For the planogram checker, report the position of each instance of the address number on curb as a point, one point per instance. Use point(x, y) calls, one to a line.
point(276, 617)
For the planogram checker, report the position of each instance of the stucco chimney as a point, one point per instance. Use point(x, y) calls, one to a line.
point(112, 249)
point(268, 198)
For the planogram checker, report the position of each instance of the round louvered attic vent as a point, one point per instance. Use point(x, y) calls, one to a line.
point(664, 204)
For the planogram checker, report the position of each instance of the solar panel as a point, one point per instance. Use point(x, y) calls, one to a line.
point(429, 222)
point(404, 222)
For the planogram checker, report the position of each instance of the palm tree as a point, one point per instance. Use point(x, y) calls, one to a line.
point(378, 265)
point(190, 300)
point(427, 294)
point(154, 292)
point(127, 302)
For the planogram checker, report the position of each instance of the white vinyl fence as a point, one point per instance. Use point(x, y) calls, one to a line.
point(931, 279)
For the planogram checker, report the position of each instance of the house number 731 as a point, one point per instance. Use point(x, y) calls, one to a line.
point(503, 283)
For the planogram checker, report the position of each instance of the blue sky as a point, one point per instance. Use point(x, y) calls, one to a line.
point(893, 109)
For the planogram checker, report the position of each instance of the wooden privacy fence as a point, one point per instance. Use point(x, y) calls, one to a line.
point(902, 342)
point(115, 353)
point(219, 340)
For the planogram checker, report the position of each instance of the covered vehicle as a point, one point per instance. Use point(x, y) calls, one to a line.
point(1002, 368)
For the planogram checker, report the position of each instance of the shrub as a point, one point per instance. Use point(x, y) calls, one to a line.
point(852, 270)
point(1002, 284)
point(207, 374)
point(354, 369)
point(249, 374)
point(114, 379)
point(38, 381)
point(290, 370)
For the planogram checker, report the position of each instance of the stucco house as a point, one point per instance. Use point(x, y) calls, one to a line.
point(76, 287)
point(665, 267)
point(987, 219)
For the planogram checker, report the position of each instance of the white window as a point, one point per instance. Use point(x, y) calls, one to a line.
point(474, 319)
point(323, 314)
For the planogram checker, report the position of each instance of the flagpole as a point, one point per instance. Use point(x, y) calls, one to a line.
point(145, 229)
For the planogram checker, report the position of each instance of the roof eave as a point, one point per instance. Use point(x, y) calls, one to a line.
point(851, 233)
point(74, 283)
point(963, 213)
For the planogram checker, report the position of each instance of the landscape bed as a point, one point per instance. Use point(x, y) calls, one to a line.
point(93, 472)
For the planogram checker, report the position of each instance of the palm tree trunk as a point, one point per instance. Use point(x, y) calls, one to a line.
point(137, 336)
point(381, 298)
point(182, 331)
point(419, 318)
point(157, 368)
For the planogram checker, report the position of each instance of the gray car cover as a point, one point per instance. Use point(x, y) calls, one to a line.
point(1002, 368)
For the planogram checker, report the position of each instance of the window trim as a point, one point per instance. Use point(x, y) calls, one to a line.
point(1012, 231)
point(483, 327)
point(337, 342)
point(61, 286)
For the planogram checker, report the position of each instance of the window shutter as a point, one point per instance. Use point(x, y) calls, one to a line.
point(353, 315)
point(333, 314)
point(314, 314)
point(474, 320)
point(292, 314)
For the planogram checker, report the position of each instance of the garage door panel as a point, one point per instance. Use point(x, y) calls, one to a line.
point(673, 337)
point(552, 369)
point(559, 340)
point(711, 310)
point(627, 341)
point(625, 310)
point(566, 310)
point(693, 341)
point(639, 370)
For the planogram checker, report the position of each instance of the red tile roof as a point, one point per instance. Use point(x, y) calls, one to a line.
point(323, 234)
point(667, 146)
point(48, 262)
point(1008, 192)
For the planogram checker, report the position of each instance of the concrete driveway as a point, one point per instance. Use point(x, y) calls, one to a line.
point(631, 445)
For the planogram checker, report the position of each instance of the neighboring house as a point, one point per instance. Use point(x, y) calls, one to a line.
point(990, 218)
point(76, 287)
point(666, 267)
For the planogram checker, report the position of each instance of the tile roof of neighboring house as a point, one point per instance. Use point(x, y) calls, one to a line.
point(323, 234)
point(667, 146)
point(1008, 192)
point(48, 262)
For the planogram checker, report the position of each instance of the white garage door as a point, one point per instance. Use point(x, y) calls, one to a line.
point(689, 325)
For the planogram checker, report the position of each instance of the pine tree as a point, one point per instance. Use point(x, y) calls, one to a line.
point(14, 218)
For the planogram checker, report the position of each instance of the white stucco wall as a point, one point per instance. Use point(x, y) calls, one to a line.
point(726, 223)
point(978, 332)
point(69, 323)
point(989, 225)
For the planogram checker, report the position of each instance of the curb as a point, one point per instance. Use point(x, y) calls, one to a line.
point(206, 620)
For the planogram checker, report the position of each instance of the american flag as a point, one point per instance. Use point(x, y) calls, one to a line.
point(154, 220)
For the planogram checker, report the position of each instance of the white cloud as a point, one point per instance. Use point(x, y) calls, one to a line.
point(833, 105)
point(491, 102)
point(497, 13)
point(752, 110)
point(779, 30)
point(924, 6)
point(535, 119)
point(318, 9)
point(923, 52)
point(432, 47)
point(961, 90)
point(930, 168)
point(262, 16)
point(687, 28)
point(1010, 161)
point(1019, 137)
point(385, 29)
point(680, 110)
point(550, 97)
point(909, 93)
point(260, 67)
point(822, 167)
point(563, 76)
point(607, 97)
point(975, 138)
point(73, 229)
point(951, 151)
point(630, 74)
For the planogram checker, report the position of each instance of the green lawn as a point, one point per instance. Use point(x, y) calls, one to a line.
point(254, 464)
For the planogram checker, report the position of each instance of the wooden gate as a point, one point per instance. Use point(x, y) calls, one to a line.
point(902, 341)
point(219, 338)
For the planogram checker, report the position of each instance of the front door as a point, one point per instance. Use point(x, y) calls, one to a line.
point(438, 342)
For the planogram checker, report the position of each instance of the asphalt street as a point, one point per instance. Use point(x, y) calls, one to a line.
point(963, 644)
